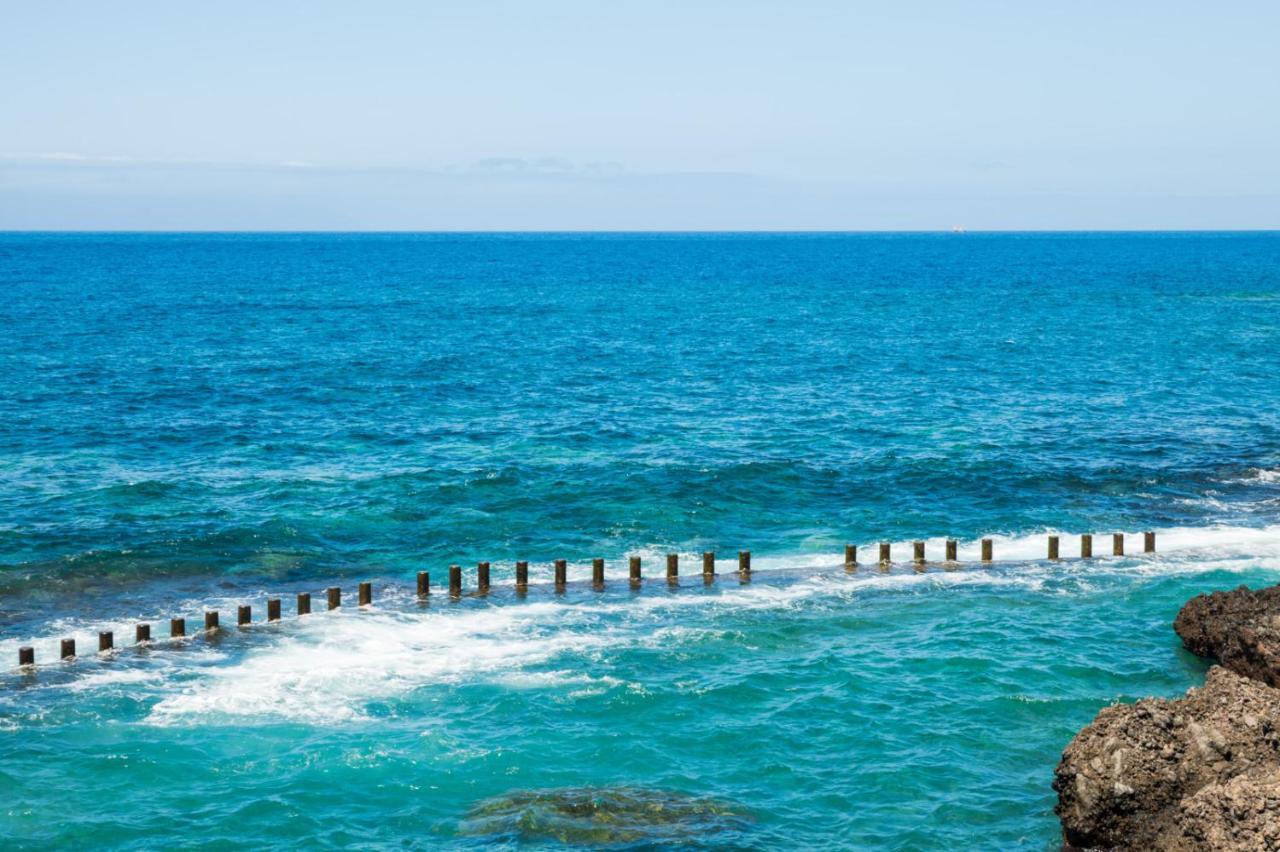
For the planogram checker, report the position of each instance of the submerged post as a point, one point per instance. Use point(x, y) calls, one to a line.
point(177, 628)
point(244, 615)
point(708, 565)
point(634, 564)
point(1117, 544)
point(273, 609)
point(851, 557)
point(884, 553)
point(562, 574)
point(952, 546)
point(26, 656)
point(142, 634)
point(424, 584)
point(1148, 542)
point(1086, 546)
point(68, 650)
point(482, 577)
point(522, 576)
point(1053, 547)
point(597, 573)
point(334, 594)
point(211, 620)
point(917, 551)
point(106, 641)
point(673, 568)
point(304, 603)
point(365, 594)
point(455, 581)
point(986, 550)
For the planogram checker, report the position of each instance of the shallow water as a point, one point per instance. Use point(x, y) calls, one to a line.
point(201, 421)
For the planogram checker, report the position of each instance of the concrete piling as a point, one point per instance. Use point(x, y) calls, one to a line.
point(211, 620)
point(744, 563)
point(177, 628)
point(884, 553)
point(106, 641)
point(334, 597)
point(522, 576)
point(1117, 544)
point(562, 574)
point(673, 568)
point(952, 546)
point(986, 550)
point(851, 557)
point(364, 594)
point(1148, 542)
point(142, 634)
point(1053, 547)
point(708, 564)
point(26, 656)
point(482, 577)
point(273, 609)
point(597, 573)
point(244, 615)
point(68, 649)
point(1086, 546)
point(917, 552)
point(424, 584)
point(304, 603)
point(634, 564)
point(455, 581)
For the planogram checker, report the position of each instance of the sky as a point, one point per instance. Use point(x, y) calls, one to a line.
point(555, 115)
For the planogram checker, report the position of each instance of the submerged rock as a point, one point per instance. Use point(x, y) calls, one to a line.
point(1198, 772)
point(607, 816)
point(1240, 629)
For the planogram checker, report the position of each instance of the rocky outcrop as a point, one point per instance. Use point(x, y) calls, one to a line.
point(1240, 629)
point(1198, 772)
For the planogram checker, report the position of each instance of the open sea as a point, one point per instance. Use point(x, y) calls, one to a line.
point(193, 422)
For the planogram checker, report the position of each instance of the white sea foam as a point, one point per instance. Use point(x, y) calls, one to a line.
point(333, 667)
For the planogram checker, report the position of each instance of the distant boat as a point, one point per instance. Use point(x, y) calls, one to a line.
point(958, 230)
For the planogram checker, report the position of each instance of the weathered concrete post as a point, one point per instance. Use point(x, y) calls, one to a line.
point(244, 615)
point(709, 565)
point(68, 650)
point(884, 553)
point(597, 573)
point(455, 581)
point(744, 564)
point(365, 594)
point(986, 550)
point(106, 641)
point(273, 609)
point(952, 547)
point(142, 634)
point(334, 594)
point(26, 656)
point(634, 563)
point(917, 552)
point(304, 603)
point(673, 568)
point(522, 577)
point(211, 620)
point(1117, 544)
point(482, 577)
point(424, 584)
point(1086, 546)
point(1053, 547)
point(1148, 542)
point(562, 574)
point(177, 628)
point(851, 557)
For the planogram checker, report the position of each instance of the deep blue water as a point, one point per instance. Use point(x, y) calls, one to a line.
point(192, 421)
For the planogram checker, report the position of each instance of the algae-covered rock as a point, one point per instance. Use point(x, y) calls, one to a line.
point(608, 816)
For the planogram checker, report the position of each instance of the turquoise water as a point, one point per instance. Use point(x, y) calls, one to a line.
point(191, 421)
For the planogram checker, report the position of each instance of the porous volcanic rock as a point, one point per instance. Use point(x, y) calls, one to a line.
point(1197, 772)
point(1239, 628)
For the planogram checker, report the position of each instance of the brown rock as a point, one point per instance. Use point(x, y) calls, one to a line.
point(1240, 629)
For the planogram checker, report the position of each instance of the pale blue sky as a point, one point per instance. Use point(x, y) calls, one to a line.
point(646, 115)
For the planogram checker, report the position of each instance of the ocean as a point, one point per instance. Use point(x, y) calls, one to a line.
point(202, 421)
